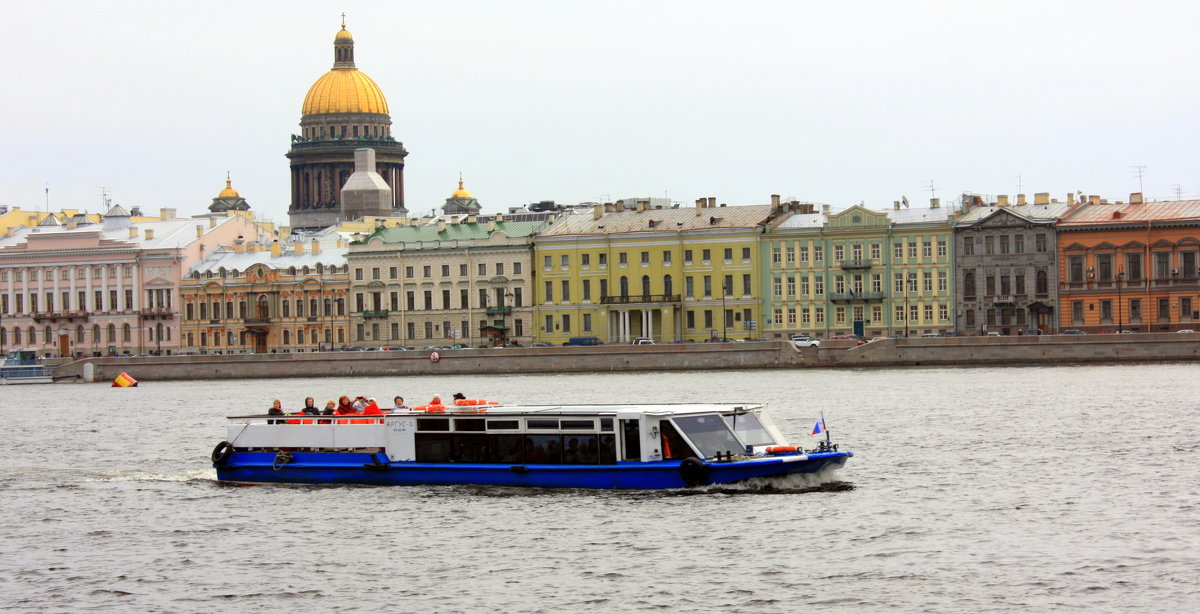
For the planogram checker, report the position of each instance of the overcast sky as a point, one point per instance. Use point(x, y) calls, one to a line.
point(569, 101)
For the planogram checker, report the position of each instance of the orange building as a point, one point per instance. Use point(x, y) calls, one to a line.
point(1130, 266)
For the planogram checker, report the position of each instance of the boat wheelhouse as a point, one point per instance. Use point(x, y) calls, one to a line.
point(592, 446)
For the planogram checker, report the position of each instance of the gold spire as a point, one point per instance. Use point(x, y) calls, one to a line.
point(461, 192)
point(343, 33)
point(228, 192)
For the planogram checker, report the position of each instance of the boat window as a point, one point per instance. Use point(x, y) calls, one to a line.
point(749, 429)
point(608, 449)
point(673, 446)
point(535, 423)
point(506, 448)
point(470, 448)
point(574, 425)
point(432, 447)
point(543, 449)
point(503, 425)
point(469, 424)
point(632, 434)
point(578, 449)
point(606, 424)
point(433, 424)
point(710, 434)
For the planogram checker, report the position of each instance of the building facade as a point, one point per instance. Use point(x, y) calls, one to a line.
point(1006, 265)
point(1130, 266)
point(108, 288)
point(259, 297)
point(445, 283)
point(344, 110)
point(664, 274)
point(858, 271)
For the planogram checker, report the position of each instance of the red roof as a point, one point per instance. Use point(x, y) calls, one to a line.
point(1109, 213)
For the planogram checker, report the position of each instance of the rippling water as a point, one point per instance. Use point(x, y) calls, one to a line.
point(999, 490)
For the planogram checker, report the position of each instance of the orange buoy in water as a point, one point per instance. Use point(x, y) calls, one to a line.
point(124, 380)
point(778, 449)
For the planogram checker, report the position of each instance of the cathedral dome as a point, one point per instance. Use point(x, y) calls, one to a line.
point(461, 192)
point(344, 90)
point(228, 192)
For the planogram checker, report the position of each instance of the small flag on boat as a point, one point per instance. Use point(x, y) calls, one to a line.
point(124, 380)
point(819, 426)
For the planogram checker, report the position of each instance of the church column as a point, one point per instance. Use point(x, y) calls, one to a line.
point(649, 330)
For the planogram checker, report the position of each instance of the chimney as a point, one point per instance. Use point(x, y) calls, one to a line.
point(712, 202)
point(166, 213)
point(500, 218)
point(597, 212)
point(276, 248)
point(699, 206)
point(298, 248)
point(774, 202)
point(896, 205)
point(1021, 200)
point(935, 203)
point(71, 224)
point(1093, 199)
point(826, 209)
point(491, 226)
point(133, 232)
point(1041, 198)
point(212, 222)
point(642, 205)
point(315, 249)
point(149, 233)
point(1002, 200)
point(199, 230)
point(1135, 198)
point(441, 225)
point(472, 220)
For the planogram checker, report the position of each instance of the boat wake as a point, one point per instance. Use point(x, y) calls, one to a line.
point(795, 483)
point(117, 475)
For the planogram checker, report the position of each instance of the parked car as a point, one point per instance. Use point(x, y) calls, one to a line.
point(1185, 330)
point(993, 333)
point(643, 341)
point(858, 340)
point(684, 341)
point(930, 335)
point(951, 333)
point(806, 342)
point(1072, 331)
point(584, 341)
point(539, 344)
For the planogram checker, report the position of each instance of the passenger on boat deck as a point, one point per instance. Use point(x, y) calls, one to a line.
point(359, 403)
point(310, 407)
point(458, 396)
point(437, 400)
point(398, 405)
point(344, 407)
point(372, 408)
point(330, 407)
point(276, 410)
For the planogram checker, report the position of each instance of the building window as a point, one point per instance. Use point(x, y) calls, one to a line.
point(989, 245)
point(968, 246)
point(1004, 244)
point(1039, 243)
point(1077, 312)
point(1018, 244)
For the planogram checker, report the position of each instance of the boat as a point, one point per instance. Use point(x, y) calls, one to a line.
point(22, 367)
point(652, 446)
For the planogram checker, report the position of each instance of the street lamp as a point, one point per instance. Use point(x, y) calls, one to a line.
point(1120, 322)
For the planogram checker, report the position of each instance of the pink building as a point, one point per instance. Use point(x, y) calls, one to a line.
point(91, 289)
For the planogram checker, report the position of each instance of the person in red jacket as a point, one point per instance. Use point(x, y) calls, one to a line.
point(344, 407)
point(372, 408)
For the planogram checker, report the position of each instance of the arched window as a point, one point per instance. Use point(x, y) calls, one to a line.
point(112, 333)
point(624, 286)
point(300, 337)
point(645, 285)
point(126, 334)
point(263, 310)
point(304, 270)
point(95, 334)
point(32, 336)
point(969, 285)
point(668, 287)
point(79, 334)
point(1043, 284)
point(291, 270)
point(47, 335)
point(16, 336)
point(287, 309)
point(287, 337)
point(328, 307)
point(232, 338)
point(203, 338)
point(3, 337)
point(320, 268)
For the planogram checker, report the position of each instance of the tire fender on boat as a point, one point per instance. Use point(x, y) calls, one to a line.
point(222, 452)
point(693, 471)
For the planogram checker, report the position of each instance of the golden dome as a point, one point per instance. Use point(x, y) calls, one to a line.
point(344, 90)
point(343, 34)
point(228, 192)
point(461, 192)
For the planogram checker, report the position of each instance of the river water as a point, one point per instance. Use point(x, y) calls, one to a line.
point(1072, 488)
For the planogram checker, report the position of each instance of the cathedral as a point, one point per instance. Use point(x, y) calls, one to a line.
point(344, 111)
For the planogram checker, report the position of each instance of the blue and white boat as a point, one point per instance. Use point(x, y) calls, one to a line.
point(589, 446)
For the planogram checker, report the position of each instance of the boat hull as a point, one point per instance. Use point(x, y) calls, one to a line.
point(365, 468)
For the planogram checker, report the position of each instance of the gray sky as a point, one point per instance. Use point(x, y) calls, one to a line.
point(828, 102)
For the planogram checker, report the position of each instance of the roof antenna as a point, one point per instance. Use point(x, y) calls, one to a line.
point(1140, 169)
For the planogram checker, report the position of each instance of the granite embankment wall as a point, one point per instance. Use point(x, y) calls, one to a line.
point(961, 351)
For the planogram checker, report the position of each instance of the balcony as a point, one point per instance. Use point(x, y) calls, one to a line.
point(502, 310)
point(375, 313)
point(640, 298)
point(857, 296)
point(1004, 298)
point(258, 321)
point(156, 312)
point(856, 264)
point(60, 315)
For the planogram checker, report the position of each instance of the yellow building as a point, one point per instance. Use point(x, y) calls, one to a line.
point(621, 274)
